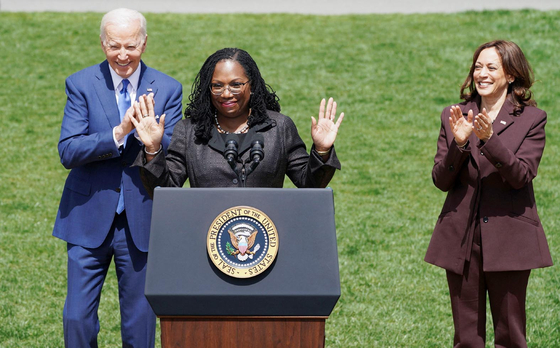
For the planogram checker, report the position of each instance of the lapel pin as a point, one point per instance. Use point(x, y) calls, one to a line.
point(503, 122)
point(149, 89)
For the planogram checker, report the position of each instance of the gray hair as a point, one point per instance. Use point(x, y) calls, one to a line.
point(123, 16)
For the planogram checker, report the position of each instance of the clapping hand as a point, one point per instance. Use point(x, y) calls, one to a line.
point(462, 128)
point(483, 126)
point(324, 129)
point(126, 126)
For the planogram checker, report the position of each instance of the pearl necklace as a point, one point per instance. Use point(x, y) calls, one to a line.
point(221, 130)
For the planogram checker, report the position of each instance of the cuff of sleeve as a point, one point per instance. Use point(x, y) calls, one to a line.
point(155, 167)
point(118, 143)
point(332, 160)
point(465, 147)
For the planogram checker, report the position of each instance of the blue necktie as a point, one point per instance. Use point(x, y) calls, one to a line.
point(124, 104)
point(124, 98)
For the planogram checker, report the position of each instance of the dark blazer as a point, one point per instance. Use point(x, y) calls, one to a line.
point(491, 182)
point(204, 164)
point(86, 146)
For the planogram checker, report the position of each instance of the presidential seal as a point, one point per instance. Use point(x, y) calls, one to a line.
point(242, 242)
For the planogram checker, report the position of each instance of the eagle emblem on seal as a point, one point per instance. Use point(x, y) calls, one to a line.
point(242, 238)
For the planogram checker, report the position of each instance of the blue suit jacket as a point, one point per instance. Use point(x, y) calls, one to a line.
point(86, 146)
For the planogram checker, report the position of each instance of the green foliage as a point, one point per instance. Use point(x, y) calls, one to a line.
point(230, 250)
point(391, 74)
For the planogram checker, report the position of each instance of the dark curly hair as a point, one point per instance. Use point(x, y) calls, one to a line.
point(200, 108)
point(514, 64)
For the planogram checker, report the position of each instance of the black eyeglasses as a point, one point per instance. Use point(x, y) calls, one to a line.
point(234, 88)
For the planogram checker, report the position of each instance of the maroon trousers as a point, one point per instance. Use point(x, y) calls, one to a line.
point(506, 292)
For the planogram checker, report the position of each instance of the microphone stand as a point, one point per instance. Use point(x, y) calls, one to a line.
point(255, 156)
point(231, 155)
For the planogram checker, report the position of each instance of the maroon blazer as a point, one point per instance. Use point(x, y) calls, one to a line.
point(491, 182)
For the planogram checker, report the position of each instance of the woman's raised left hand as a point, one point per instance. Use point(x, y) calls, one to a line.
point(325, 129)
point(144, 119)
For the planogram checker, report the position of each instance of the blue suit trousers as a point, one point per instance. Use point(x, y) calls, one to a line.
point(87, 269)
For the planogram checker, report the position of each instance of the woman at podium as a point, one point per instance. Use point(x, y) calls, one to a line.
point(234, 134)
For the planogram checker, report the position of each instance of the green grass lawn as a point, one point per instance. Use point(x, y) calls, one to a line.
point(391, 74)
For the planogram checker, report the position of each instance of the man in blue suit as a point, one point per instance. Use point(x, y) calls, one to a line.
point(104, 211)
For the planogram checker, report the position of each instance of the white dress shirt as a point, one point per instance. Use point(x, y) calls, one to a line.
point(132, 88)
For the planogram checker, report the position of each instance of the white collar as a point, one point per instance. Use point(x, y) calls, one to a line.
point(133, 79)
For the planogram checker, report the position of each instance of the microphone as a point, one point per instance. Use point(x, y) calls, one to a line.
point(230, 151)
point(257, 149)
point(257, 152)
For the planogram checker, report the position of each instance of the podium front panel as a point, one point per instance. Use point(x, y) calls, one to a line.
point(302, 281)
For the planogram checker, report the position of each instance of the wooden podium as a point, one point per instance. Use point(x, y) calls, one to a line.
point(284, 306)
point(273, 332)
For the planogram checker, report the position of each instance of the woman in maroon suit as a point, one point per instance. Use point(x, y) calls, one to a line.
point(488, 236)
